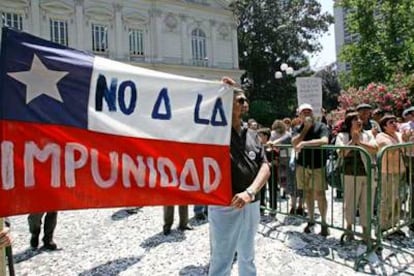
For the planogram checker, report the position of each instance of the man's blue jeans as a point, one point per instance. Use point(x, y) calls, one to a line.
point(233, 230)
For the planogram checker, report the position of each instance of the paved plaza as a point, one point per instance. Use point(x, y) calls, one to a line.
point(121, 241)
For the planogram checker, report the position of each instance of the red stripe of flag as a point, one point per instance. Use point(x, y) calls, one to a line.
point(76, 185)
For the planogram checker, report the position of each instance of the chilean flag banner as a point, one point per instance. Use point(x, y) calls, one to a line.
point(80, 131)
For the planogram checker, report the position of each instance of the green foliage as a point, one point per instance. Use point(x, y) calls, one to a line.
point(270, 33)
point(263, 112)
point(330, 87)
point(384, 40)
point(405, 80)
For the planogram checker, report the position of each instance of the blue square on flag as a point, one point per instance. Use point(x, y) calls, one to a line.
point(43, 82)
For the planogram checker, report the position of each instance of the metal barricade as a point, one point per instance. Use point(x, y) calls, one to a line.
point(325, 170)
point(395, 190)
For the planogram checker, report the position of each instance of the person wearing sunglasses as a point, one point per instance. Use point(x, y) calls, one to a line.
point(233, 228)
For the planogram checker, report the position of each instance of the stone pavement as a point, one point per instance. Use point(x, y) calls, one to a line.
point(124, 242)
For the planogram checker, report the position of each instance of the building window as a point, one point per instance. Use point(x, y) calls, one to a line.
point(12, 20)
point(99, 38)
point(59, 31)
point(136, 42)
point(198, 47)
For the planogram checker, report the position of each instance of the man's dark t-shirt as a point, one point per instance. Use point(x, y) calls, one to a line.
point(371, 124)
point(312, 158)
point(247, 156)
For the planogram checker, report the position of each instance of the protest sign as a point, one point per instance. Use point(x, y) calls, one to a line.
point(309, 91)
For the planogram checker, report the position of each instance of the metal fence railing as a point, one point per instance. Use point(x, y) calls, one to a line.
point(377, 190)
point(395, 189)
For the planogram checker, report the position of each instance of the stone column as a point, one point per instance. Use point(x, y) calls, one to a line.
point(213, 35)
point(185, 40)
point(235, 46)
point(156, 24)
point(80, 24)
point(119, 38)
point(35, 15)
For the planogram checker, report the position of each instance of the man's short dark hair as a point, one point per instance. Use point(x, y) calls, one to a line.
point(265, 131)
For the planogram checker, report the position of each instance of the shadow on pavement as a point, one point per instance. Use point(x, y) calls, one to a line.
point(160, 238)
point(194, 270)
point(197, 222)
point(394, 258)
point(124, 213)
point(112, 267)
point(29, 253)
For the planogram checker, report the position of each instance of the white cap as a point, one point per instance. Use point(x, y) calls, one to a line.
point(408, 110)
point(304, 106)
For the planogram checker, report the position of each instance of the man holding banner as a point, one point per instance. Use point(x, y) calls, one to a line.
point(80, 131)
point(233, 228)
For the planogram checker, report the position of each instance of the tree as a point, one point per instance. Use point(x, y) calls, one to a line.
point(270, 33)
point(384, 44)
point(330, 86)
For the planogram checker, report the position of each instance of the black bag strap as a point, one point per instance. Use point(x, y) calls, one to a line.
point(237, 150)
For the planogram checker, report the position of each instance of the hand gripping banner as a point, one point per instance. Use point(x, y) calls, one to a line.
point(80, 131)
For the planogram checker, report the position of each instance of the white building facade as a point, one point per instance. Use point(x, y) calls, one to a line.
point(195, 38)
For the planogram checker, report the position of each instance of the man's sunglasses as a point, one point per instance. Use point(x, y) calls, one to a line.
point(242, 100)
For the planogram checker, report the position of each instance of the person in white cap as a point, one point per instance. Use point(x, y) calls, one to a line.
point(408, 115)
point(310, 164)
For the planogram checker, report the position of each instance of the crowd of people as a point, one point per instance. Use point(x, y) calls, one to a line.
point(364, 127)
